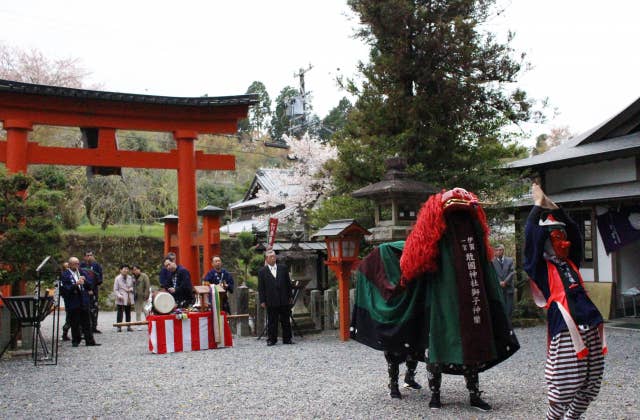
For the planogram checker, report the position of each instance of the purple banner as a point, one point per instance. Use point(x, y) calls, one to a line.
point(616, 228)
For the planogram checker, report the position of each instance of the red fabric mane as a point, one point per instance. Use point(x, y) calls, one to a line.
point(421, 252)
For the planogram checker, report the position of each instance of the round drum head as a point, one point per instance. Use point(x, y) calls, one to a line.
point(163, 303)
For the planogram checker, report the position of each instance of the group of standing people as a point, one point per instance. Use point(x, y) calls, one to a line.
point(130, 290)
point(79, 287)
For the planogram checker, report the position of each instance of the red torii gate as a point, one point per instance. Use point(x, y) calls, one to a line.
point(23, 105)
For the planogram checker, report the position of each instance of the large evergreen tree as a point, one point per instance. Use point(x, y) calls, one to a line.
point(257, 121)
point(438, 90)
point(29, 226)
point(335, 119)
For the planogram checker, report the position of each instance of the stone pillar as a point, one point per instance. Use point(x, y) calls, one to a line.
point(331, 315)
point(261, 318)
point(5, 326)
point(316, 306)
point(242, 307)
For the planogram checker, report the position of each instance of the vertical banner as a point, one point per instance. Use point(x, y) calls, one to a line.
point(273, 227)
point(618, 228)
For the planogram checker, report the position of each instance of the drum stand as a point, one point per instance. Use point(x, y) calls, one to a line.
point(30, 311)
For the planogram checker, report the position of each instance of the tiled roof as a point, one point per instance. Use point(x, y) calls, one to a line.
point(615, 137)
point(568, 152)
point(598, 193)
point(203, 101)
point(336, 227)
point(305, 246)
point(271, 180)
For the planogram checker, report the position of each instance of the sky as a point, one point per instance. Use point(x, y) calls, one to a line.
point(583, 52)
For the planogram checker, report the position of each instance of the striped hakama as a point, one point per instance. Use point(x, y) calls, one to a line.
point(573, 383)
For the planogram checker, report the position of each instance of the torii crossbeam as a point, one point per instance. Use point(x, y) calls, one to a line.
point(23, 105)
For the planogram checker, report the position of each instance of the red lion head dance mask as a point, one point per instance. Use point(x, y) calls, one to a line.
point(421, 251)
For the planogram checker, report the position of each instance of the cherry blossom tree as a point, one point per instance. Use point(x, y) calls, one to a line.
point(32, 66)
point(306, 180)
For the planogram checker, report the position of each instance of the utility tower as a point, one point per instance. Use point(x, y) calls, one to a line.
point(298, 108)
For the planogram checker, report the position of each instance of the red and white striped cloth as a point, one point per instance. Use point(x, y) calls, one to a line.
point(169, 334)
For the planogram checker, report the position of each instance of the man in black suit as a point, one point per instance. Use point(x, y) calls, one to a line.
point(274, 287)
point(75, 286)
point(178, 283)
point(506, 272)
point(94, 271)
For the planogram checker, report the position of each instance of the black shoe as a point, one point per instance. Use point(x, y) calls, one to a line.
point(288, 342)
point(129, 329)
point(97, 332)
point(411, 384)
point(271, 343)
point(65, 337)
point(75, 344)
point(119, 329)
point(479, 403)
point(394, 392)
point(435, 403)
point(93, 344)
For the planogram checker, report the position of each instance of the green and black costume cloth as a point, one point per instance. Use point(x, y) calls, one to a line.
point(460, 327)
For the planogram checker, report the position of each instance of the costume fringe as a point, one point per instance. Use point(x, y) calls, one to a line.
point(421, 250)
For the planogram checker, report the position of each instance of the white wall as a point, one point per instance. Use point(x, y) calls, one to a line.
point(629, 267)
point(587, 274)
point(605, 265)
point(593, 174)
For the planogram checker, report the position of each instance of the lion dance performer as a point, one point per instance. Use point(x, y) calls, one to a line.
point(437, 291)
point(576, 347)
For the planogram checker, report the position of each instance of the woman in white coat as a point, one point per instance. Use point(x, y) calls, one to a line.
point(123, 287)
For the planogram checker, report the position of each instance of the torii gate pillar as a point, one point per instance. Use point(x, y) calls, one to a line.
point(17, 145)
point(17, 136)
point(187, 201)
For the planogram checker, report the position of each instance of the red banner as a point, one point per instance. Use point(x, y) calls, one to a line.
point(273, 227)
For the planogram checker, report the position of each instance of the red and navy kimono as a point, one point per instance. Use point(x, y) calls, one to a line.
point(559, 281)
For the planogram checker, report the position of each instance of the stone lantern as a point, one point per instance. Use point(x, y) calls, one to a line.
point(398, 200)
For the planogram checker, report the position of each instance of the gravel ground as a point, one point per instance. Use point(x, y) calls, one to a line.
point(319, 377)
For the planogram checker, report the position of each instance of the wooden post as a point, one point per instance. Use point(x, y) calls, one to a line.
point(170, 232)
point(343, 270)
point(210, 234)
point(17, 161)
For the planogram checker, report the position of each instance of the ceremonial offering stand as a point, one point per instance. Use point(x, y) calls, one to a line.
point(188, 331)
point(191, 330)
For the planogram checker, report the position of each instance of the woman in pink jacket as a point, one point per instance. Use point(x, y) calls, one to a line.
point(123, 287)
